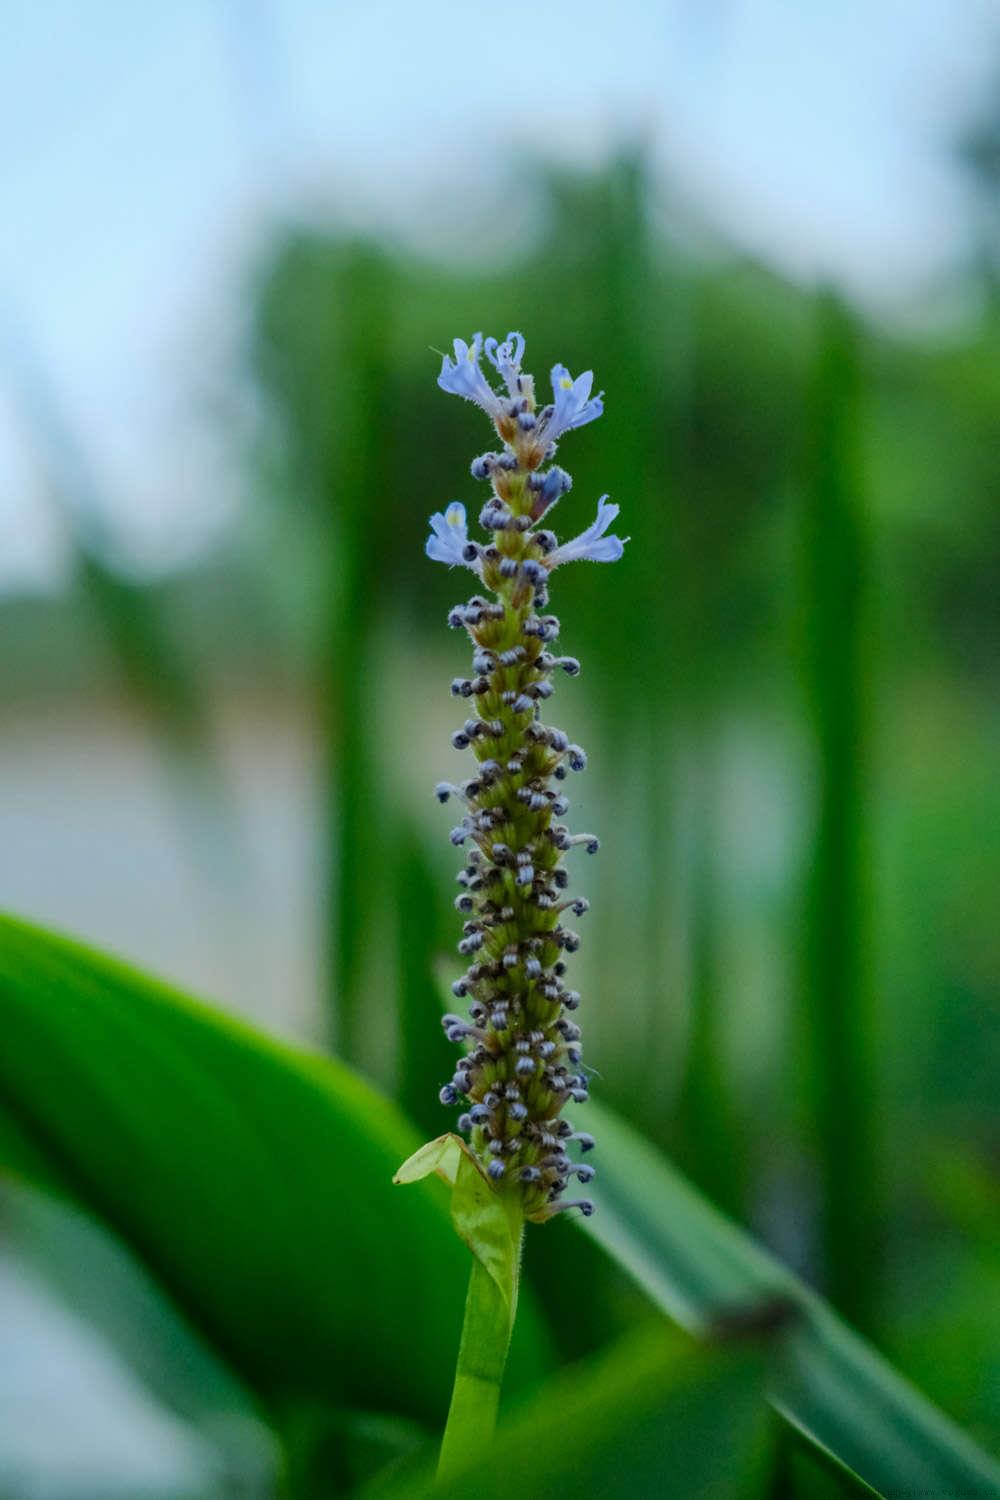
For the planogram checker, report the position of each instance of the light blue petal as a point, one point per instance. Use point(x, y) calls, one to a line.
point(449, 536)
point(581, 387)
point(609, 549)
point(463, 377)
point(592, 545)
point(438, 551)
point(572, 405)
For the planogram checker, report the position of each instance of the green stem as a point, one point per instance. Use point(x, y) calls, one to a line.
point(482, 1354)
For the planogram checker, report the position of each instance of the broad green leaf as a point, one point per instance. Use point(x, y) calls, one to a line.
point(655, 1417)
point(831, 1386)
point(254, 1180)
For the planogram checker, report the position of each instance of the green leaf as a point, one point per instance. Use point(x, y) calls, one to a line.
point(254, 1180)
point(835, 996)
point(655, 1417)
point(359, 466)
point(831, 1386)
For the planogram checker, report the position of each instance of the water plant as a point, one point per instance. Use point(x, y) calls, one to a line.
point(524, 1060)
point(252, 1180)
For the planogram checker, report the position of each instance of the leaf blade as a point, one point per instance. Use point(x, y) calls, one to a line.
point(831, 1386)
point(253, 1179)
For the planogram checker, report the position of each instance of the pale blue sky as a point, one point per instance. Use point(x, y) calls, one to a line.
point(145, 149)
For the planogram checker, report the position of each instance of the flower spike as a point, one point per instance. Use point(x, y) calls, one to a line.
point(522, 1057)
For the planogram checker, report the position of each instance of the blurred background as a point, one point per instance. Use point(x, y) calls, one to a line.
point(236, 232)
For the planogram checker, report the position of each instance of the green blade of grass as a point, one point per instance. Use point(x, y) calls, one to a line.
point(835, 997)
point(357, 476)
point(706, 1122)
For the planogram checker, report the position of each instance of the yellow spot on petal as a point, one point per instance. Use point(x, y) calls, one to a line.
point(453, 515)
point(566, 383)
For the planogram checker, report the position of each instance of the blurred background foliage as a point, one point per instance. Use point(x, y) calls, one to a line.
point(789, 698)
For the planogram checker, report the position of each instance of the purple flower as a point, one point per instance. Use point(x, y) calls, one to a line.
point(573, 405)
point(592, 545)
point(463, 377)
point(449, 538)
point(506, 360)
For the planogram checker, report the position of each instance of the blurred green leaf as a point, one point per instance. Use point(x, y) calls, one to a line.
point(655, 1417)
point(252, 1179)
point(360, 467)
point(830, 1385)
point(835, 991)
point(963, 1185)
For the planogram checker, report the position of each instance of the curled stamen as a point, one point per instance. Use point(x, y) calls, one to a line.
point(590, 843)
point(585, 1206)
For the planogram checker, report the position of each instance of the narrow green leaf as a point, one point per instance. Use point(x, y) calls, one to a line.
point(831, 1386)
point(359, 467)
point(252, 1179)
point(836, 1001)
point(704, 1127)
point(655, 1417)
